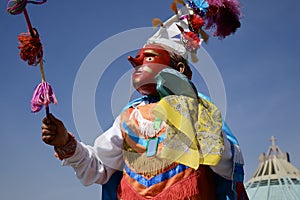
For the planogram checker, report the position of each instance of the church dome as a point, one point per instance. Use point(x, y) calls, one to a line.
point(275, 177)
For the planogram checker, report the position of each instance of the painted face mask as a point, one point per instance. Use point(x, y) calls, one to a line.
point(149, 61)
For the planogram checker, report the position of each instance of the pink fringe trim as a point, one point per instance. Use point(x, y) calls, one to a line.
point(188, 188)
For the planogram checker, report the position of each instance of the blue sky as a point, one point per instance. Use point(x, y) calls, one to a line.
point(259, 66)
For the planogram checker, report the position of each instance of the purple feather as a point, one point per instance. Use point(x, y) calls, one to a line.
point(43, 95)
point(223, 16)
point(217, 3)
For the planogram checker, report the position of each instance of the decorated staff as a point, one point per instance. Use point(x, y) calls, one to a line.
point(31, 51)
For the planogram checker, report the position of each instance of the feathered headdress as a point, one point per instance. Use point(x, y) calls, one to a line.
point(184, 31)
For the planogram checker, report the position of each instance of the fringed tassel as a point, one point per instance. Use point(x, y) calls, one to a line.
point(31, 49)
point(43, 95)
point(187, 188)
point(145, 166)
point(126, 192)
point(157, 22)
point(199, 185)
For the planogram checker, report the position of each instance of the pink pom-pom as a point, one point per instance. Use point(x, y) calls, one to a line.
point(43, 95)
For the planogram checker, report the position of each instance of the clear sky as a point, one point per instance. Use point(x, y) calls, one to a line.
point(259, 66)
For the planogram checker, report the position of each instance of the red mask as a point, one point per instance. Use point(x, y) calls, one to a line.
point(149, 61)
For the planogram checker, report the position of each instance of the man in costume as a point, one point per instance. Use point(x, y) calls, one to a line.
point(161, 155)
point(170, 144)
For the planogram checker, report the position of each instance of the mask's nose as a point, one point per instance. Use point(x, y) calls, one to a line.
point(135, 61)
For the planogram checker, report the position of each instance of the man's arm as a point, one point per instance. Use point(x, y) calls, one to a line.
point(92, 164)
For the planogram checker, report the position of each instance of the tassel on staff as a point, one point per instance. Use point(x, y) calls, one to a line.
point(31, 50)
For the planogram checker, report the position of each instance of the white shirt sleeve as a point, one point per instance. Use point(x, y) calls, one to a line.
point(96, 164)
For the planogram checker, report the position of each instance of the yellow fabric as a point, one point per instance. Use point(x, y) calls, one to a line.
point(194, 128)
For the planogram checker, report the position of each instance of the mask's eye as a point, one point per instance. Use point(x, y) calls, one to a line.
point(149, 58)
